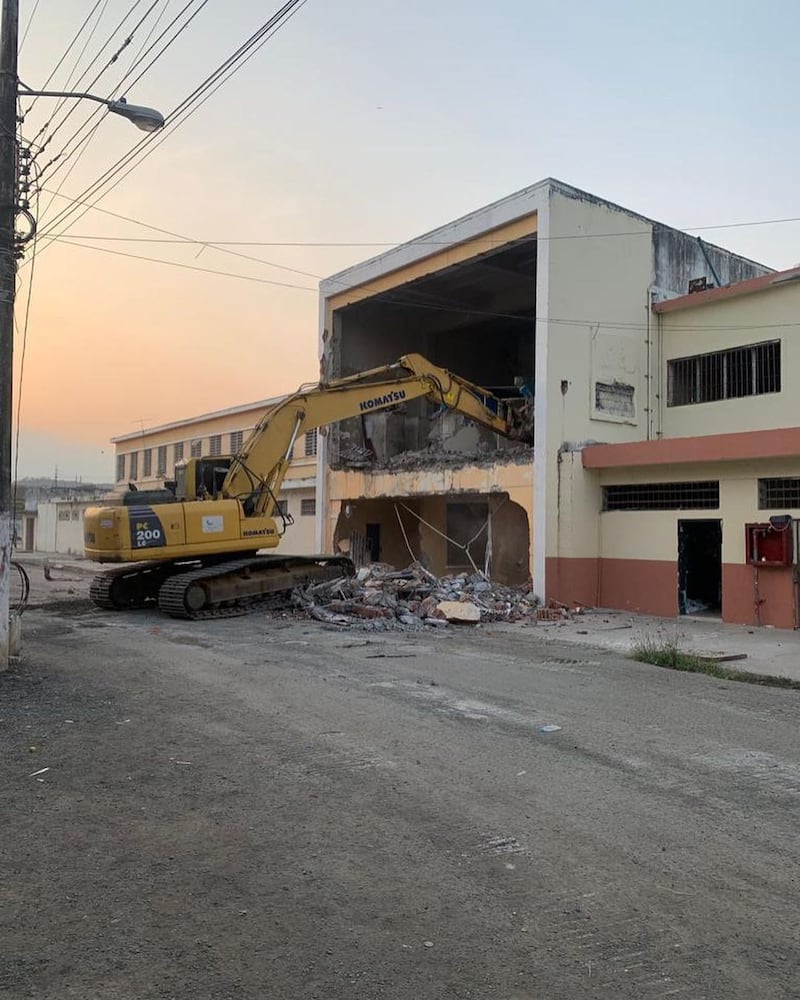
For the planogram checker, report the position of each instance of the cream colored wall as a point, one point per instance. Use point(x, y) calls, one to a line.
point(54, 534)
point(748, 319)
point(654, 534)
point(601, 287)
point(299, 537)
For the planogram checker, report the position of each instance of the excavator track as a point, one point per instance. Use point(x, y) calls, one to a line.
point(128, 587)
point(240, 586)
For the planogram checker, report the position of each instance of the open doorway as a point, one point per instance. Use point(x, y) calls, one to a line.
point(700, 567)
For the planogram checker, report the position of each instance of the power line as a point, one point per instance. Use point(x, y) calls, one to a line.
point(61, 159)
point(171, 237)
point(28, 26)
point(66, 52)
point(68, 241)
point(442, 306)
point(184, 110)
point(88, 86)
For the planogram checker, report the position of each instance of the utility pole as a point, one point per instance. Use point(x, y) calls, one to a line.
point(8, 272)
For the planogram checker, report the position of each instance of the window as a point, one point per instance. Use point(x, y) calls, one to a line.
point(161, 461)
point(783, 492)
point(120, 468)
point(178, 450)
point(311, 442)
point(134, 473)
point(196, 448)
point(308, 508)
point(147, 462)
point(662, 496)
point(741, 371)
point(63, 515)
point(215, 444)
point(237, 439)
point(283, 508)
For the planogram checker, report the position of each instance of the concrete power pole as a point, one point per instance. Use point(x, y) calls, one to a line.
point(8, 271)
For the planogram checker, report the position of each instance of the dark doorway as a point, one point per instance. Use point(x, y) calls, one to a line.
point(373, 536)
point(700, 567)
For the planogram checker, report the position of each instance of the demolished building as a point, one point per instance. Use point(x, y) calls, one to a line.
point(545, 295)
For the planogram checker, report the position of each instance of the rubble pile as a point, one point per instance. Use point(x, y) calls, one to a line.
point(381, 597)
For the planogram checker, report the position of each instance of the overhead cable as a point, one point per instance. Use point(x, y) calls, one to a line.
point(189, 106)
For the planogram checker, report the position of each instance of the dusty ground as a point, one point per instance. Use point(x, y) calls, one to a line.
point(258, 809)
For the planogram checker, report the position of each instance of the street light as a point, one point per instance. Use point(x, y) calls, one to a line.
point(147, 119)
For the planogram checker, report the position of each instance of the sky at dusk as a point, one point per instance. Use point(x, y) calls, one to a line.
point(363, 122)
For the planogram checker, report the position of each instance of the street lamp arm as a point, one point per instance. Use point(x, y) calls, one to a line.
point(27, 92)
point(146, 119)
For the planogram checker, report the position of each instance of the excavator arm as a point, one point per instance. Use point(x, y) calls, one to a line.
point(257, 470)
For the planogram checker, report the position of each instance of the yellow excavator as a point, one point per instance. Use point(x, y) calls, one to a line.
point(192, 548)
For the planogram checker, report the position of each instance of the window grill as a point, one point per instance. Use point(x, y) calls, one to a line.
point(701, 495)
point(311, 443)
point(308, 508)
point(237, 439)
point(134, 473)
point(215, 444)
point(120, 468)
point(283, 507)
point(178, 446)
point(753, 370)
point(161, 460)
point(196, 448)
point(147, 461)
point(779, 492)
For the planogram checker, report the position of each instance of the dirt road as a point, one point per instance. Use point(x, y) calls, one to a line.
point(258, 809)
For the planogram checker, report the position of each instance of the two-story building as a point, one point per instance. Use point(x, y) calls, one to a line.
point(559, 294)
point(147, 458)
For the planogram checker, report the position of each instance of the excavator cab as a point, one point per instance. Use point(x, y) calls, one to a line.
point(201, 478)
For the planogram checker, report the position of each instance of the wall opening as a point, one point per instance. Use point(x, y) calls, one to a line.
point(700, 567)
point(477, 319)
point(447, 533)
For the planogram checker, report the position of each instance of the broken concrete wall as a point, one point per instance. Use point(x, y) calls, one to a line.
point(433, 530)
point(678, 258)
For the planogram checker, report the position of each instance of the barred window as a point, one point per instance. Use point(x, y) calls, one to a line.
point(311, 442)
point(196, 448)
point(308, 508)
point(779, 492)
point(134, 473)
point(701, 495)
point(178, 451)
point(215, 444)
point(147, 461)
point(237, 439)
point(161, 460)
point(741, 371)
point(283, 507)
point(120, 468)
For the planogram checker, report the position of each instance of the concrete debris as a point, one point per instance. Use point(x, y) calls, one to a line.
point(458, 611)
point(380, 597)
